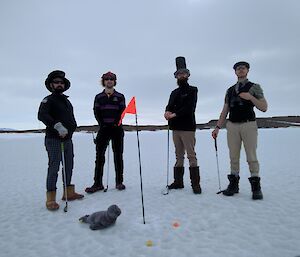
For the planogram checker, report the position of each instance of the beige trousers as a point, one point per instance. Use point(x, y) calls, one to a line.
point(185, 141)
point(237, 133)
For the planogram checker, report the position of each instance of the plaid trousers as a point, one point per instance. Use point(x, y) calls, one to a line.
point(53, 148)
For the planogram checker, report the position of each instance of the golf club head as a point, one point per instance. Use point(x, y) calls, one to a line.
point(66, 209)
point(221, 191)
point(165, 191)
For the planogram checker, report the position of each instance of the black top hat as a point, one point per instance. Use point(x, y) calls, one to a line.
point(181, 66)
point(57, 74)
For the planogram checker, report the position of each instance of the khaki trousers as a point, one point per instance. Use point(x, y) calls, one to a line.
point(185, 141)
point(237, 133)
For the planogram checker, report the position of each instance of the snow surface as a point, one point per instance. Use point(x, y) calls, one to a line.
point(210, 225)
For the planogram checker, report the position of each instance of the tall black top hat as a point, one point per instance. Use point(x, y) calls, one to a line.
point(181, 66)
point(57, 74)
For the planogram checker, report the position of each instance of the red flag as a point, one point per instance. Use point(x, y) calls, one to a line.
point(129, 109)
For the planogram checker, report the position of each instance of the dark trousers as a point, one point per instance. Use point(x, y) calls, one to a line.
point(116, 135)
point(53, 148)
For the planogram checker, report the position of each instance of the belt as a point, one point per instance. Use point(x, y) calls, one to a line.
point(243, 121)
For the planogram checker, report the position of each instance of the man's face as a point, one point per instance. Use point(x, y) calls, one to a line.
point(241, 71)
point(182, 76)
point(109, 83)
point(58, 84)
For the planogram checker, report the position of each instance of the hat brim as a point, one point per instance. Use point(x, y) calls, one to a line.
point(49, 80)
point(246, 64)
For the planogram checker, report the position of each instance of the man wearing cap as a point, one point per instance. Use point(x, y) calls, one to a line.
point(240, 100)
point(56, 112)
point(180, 114)
point(108, 107)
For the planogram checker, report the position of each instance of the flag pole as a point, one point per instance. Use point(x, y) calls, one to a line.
point(139, 153)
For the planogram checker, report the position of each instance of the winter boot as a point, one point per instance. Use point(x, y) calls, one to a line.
point(119, 176)
point(233, 187)
point(120, 186)
point(94, 188)
point(98, 185)
point(255, 186)
point(51, 203)
point(178, 178)
point(195, 179)
point(71, 194)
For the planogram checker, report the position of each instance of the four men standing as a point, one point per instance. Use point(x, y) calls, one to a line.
point(56, 112)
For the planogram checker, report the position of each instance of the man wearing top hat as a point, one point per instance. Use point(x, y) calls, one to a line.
point(240, 100)
point(180, 114)
point(56, 112)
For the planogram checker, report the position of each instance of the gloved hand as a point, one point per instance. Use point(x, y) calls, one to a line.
point(62, 131)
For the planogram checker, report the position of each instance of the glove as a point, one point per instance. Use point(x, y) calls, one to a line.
point(62, 131)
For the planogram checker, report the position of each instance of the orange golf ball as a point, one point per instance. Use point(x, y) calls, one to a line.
point(176, 224)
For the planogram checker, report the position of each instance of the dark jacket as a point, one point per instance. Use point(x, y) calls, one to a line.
point(108, 110)
point(183, 102)
point(57, 108)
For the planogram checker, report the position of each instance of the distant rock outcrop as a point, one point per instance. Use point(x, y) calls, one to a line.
point(6, 129)
point(267, 122)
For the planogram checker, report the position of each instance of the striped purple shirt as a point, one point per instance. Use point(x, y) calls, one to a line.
point(108, 109)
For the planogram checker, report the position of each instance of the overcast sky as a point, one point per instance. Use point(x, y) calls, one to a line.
point(139, 40)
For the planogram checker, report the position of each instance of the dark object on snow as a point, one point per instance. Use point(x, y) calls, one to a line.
point(181, 66)
point(102, 219)
point(256, 189)
point(57, 74)
point(233, 187)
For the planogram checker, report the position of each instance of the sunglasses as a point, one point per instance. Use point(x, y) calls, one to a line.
point(58, 82)
point(109, 79)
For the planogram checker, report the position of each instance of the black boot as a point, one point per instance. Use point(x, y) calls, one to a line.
point(120, 186)
point(119, 179)
point(178, 178)
point(233, 187)
point(195, 179)
point(98, 185)
point(94, 188)
point(119, 167)
point(256, 189)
